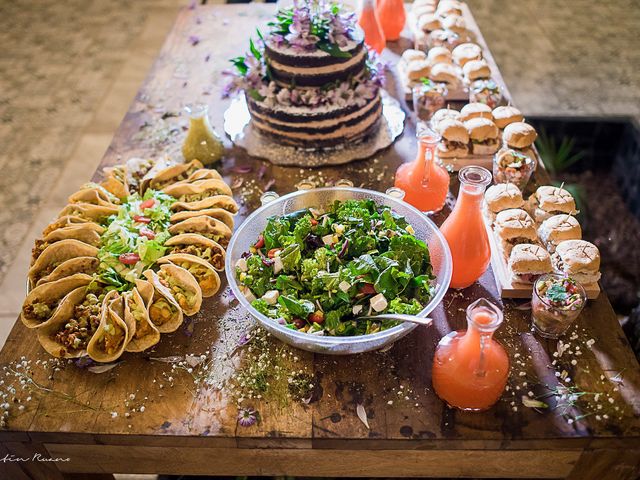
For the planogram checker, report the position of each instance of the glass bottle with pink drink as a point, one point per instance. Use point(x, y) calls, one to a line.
point(425, 181)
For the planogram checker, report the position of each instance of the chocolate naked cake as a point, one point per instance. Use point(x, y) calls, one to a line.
point(311, 82)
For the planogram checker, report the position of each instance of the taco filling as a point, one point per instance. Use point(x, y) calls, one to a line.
point(142, 325)
point(41, 310)
point(212, 256)
point(195, 197)
point(112, 338)
point(184, 297)
point(86, 318)
point(161, 311)
point(205, 277)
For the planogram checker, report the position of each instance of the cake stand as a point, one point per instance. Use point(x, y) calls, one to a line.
point(237, 124)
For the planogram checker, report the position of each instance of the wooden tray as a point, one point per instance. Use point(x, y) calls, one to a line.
point(501, 273)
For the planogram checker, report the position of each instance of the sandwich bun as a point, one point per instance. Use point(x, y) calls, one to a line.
point(453, 130)
point(515, 223)
point(449, 7)
point(527, 262)
point(412, 55)
point(519, 135)
point(418, 69)
point(474, 110)
point(428, 22)
point(505, 115)
point(447, 150)
point(443, 113)
point(439, 55)
point(503, 196)
point(476, 69)
point(559, 228)
point(481, 129)
point(455, 23)
point(444, 72)
point(578, 259)
point(466, 52)
point(549, 201)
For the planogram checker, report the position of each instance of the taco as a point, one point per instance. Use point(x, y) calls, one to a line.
point(115, 181)
point(43, 301)
point(68, 334)
point(83, 232)
point(206, 276)
point(174, 174)
point(94, 213)
point(137, 170)
point(142, 332)
point(183, 286)
point(65, 221)
point(145, 289)
point(215, 201)
point(199, 246)
point(164, 311)
point(112, 335)
point(158, 166)
point(86, 265)
point(94, 194)
point(198, 190)
point(206, 226)
point(218, 213)
point(55, 254)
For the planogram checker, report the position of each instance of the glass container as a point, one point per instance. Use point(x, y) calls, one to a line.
point(428, 97)
point(512, 166)
point(556, 303)
point(485, 91)
point(465, 229)
point(202, 142)
point(471, 368)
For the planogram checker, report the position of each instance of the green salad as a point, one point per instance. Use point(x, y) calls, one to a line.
point(318, 272)
point(134, 238)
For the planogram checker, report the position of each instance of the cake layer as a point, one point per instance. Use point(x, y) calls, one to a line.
point(309, 132)
point(314, 68)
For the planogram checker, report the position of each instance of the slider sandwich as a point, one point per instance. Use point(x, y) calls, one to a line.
point(475, 110)
point(443, 113)
point(476, 69)
point(445, 73)
point(549, 201)
point(439, 55)
point(455, 23)
point(484, 136)
point(513, 227)
point(519, 135)
point(428, 22)
point(505, 115)
point(455, 139)
point(527, 262)
point(557, 229)
point(418, 69)
point(577, 259)
point(466, 52)
point(412, 55)
point(499, 197)
point(449, 7)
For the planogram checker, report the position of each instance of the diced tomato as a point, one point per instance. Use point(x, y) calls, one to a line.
point(367, 289)
point(314, 222)
point(317, 317)
point(147, 204)
point(272, 253)
point(129, 258)
point(147, 232)
point(260, 242)
point(141, 219)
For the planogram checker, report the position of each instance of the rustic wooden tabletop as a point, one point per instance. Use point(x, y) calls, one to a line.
point(169, 411)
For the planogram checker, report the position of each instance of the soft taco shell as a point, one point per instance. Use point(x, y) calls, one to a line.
point(66, 312)
point(174, 173)
point(145, 289)
point(159, 165)
point(115, 181)
point(94, 213)
point(86, 265)
point(206, 276)
point(94, 194)
point(43, 301)
point(65, 221)
point(111, 321)
point(206, 226)
point(55, 254)
point(164, 311)
point(82, 232)
point(199, 246)
point(215, 201)
point(183, 286)
point(189, 192)
point(218, 213)
point(136, 316)
point(137, 170)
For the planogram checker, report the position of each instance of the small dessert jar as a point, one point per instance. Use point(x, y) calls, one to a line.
point(556, 303)
point(428, 97)
point(485, 90)
point(512, 166)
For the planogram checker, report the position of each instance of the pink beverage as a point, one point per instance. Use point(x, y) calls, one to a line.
point(392, 18)
point(370, 23)
point(424, 181)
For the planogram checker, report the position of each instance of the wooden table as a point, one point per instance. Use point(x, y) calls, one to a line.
point(93, 423)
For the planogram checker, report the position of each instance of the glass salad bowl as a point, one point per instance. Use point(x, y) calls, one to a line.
point(247, 234)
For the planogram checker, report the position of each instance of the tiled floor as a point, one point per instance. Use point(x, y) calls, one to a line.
point(72, 68)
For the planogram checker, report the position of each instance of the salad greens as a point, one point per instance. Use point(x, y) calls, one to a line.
point(134, 238)
point(318, 272)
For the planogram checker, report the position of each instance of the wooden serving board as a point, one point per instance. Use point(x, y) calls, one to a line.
point(502, 274)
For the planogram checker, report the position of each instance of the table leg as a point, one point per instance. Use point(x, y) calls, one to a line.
point(605, 464)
